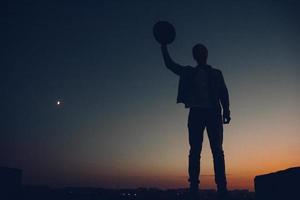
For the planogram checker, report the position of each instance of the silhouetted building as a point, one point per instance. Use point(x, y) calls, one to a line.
point(279, 185)
point(10, 183)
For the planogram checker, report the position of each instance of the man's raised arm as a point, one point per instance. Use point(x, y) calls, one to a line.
point(170, 64)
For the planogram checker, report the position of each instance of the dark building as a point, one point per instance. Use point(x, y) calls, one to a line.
point(10, 183)
point(279, 185)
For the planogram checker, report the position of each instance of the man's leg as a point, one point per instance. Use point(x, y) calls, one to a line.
point(196, 128)
point(215, 135)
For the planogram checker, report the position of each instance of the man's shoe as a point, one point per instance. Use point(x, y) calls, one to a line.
point(194, 191)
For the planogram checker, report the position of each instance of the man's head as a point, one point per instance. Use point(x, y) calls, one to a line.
point(200, 53)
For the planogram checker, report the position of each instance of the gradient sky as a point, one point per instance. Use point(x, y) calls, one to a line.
point(119, 124)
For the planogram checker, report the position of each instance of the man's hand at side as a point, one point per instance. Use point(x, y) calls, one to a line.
point(226, 117)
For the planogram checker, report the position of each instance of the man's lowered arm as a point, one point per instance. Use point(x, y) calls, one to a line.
point(170, 64)
point(224, 98)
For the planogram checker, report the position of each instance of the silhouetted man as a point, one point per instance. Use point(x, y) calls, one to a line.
point(202, 89)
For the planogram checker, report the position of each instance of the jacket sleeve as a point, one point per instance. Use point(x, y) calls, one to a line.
point(170, 64)
point(224, 95)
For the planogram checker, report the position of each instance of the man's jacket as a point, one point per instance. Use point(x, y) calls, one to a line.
point(217, 87)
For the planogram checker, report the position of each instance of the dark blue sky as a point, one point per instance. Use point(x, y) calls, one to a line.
point(118, 116)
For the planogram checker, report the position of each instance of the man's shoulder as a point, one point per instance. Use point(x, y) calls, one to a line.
point(192, 69)
point(217, 71)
